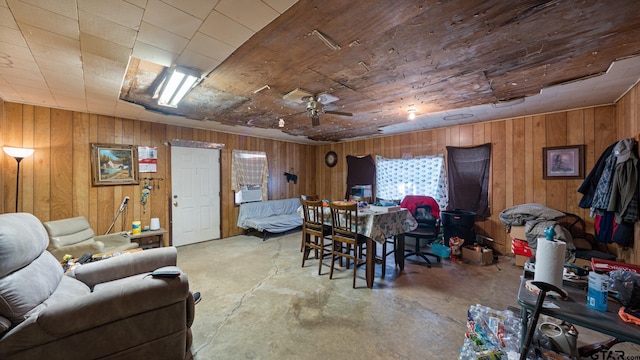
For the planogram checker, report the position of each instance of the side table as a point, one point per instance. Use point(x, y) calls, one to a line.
point(149, 239)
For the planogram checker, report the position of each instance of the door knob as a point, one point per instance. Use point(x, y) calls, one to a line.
point(175, 203)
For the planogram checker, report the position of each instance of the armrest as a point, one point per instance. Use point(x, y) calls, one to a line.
point(113, 302)
point(125, 265)
point(114, 240)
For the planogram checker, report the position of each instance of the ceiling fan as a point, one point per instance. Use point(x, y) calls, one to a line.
point(316, 106)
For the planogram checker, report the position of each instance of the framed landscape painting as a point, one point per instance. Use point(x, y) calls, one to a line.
point(563, 162)
point(114, 164)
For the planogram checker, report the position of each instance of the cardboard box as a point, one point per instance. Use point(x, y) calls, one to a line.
point(521, 260)
point(582, 263)
point(484, 257)
point(517, 232)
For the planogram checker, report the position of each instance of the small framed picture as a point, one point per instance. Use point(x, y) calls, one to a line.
point(563, 162)
point(114, 164)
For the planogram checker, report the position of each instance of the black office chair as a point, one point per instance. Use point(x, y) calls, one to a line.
point(428, 229)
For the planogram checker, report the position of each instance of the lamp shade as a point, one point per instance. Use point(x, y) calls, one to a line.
point(18, 152)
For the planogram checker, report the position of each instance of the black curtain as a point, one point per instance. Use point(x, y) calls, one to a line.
point(361, 170)
point(468, 177)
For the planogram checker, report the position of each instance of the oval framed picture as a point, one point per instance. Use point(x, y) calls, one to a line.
point(331, 158)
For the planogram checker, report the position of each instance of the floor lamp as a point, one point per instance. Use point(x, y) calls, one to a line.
point(18, 154)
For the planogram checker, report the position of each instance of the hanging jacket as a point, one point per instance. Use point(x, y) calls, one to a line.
point(602, 194)
point(588, 187)
point(625, 181)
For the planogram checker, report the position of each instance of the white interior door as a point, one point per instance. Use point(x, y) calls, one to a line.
point(195, 195)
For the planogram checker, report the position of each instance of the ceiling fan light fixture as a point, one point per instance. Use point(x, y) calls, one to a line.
point(176, 84)
point(315, 119)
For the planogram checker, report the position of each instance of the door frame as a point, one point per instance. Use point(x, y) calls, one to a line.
point(191, 144)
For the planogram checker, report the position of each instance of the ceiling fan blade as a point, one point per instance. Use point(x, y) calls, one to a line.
point(338, 113)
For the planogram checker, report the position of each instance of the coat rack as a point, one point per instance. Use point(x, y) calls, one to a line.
point(149, 186)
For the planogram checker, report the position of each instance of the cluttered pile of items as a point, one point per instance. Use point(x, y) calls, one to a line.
point(605, 298)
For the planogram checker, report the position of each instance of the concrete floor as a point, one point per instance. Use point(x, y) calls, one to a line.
point(259, 303)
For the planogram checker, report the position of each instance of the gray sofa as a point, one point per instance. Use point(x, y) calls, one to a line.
point(271, 216)
point(109, 309)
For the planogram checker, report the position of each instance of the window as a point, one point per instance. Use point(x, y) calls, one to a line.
point(424, 175)
point(249, 175)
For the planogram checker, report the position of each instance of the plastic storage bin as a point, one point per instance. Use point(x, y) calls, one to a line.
point(440, 251)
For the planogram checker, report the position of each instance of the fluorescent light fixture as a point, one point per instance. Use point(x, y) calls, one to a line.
point(176, 84)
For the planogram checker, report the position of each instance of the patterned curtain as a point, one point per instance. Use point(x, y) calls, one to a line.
point(250, 168)
point(424, 175)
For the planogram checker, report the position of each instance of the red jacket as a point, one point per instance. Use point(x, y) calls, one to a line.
point(410, 202)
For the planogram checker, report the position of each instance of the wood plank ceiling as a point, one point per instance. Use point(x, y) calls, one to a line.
point(465, 61)
point(392, 56)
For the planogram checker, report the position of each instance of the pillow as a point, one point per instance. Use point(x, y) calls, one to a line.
point(25, 289)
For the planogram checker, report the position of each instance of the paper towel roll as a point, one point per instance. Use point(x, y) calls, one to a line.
point(550, 261)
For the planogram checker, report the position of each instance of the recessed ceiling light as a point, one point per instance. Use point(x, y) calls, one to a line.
point(412, 114)
point(457, 117)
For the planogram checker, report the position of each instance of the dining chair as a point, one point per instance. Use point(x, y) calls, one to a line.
point(306, 197)
point(346, 242)
point(315, 233)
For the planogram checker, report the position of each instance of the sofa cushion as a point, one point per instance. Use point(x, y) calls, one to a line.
point(258, 215)
point(23, 290)
point(22, 240)
point(275, 224)
point(28, 273)
point(69, 231)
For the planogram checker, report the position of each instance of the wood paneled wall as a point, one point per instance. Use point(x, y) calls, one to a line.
point(516, 161)
point(55, 182)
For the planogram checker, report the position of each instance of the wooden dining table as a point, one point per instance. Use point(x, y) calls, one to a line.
point(377, 227)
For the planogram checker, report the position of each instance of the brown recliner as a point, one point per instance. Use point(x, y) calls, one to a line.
point(108, 309)
point(75, 237)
